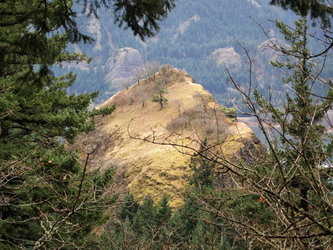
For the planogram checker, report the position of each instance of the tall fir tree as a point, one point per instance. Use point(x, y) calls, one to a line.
point(47, 199)
point(293, 182)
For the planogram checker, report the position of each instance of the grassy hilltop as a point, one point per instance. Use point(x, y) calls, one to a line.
point(131, 137)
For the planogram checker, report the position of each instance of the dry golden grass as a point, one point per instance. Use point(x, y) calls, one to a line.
point(152, 169)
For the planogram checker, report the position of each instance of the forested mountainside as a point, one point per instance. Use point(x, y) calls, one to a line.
point(201, 37)
point(196, 37)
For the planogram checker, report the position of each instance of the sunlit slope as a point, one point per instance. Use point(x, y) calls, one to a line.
point(151, 146)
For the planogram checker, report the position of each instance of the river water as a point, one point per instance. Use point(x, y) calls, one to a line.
point(252, 122)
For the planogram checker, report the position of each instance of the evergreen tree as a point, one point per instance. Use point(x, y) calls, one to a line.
point(163, 212)
point(144, 220)
point(203, 169)
point(155, 227)
point(159, 93)
point(321, 9)
point(302, 152)
point(293, 181)
point(159, 97)
point(140, 226)
point(129, 208)
point(47, 199)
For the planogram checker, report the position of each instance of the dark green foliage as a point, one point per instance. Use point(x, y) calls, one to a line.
point(129, 208)
point(154, 227)
point(39, 113)
point(160, 92)
point(163, 213)
point(41, 203)
point(229, 112)
point(203, 169)
point(321, 9)
point(144, 220)
point(185, 221)
point(47, 199)
point(40, 179)
point(160, 98)
point(196, 225)
point(103, 111)
point(290, 182)
point(139, 226)
point(303, 127)
point(142, 15)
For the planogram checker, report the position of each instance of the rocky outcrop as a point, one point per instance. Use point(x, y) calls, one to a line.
point(94, 29)
point(227, 57)
point(121, 68)
point(269, 49)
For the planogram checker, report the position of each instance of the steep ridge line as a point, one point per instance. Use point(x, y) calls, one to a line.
point(144, 141)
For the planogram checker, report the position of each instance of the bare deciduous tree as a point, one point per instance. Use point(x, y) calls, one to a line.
point(282, 199)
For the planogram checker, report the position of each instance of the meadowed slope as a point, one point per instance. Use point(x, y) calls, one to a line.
point(133, 138)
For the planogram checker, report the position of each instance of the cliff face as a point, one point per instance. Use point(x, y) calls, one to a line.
point(151, 146)
point(227, 57)
point(121, 67)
